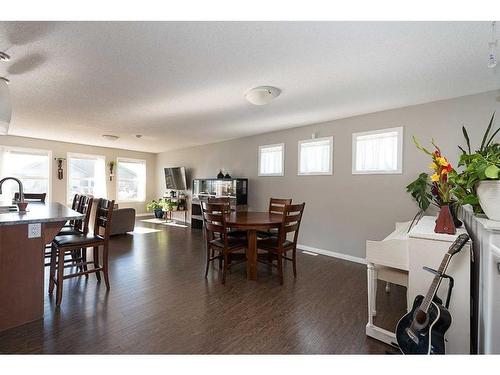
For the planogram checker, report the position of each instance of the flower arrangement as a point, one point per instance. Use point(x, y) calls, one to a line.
point(437, 191)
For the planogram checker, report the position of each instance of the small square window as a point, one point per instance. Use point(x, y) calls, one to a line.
point(315, 156)
point(378, 151)
point(272, 160)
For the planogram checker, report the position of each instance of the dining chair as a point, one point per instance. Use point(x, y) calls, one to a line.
point(32, 197)
point(276, 206)
point(279, 246)
point(67, 243)
point(220, 245)
point(227, 202)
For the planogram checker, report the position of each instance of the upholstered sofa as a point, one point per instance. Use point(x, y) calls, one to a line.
point(123, 221)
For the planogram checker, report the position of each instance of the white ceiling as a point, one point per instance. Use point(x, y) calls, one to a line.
point(183, 83)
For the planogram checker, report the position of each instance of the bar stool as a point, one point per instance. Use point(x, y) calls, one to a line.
point(81, 205)
point(67, 243)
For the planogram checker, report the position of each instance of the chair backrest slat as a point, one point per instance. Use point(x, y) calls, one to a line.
point(32, 197)
point(277, 205)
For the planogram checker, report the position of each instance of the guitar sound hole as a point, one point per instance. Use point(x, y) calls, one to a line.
point(420, 317)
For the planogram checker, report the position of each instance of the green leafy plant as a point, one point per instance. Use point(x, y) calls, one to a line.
point(483, 164)
point(154, 205)
point(168, 204)
point(420, 191)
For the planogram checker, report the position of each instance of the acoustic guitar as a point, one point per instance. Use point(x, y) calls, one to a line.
point(422, 330)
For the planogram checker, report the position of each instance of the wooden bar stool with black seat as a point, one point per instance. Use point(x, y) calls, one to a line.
point(32, 197)
point(279, 246)
point(67, 243)
point(81, 204)
point(219, 244)
point(276, 206)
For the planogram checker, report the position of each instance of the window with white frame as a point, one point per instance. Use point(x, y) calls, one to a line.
point(31, 166)
point(378, 151)
point(131, 180)
point(315, 156)
point(272, 160)
point(86, 175)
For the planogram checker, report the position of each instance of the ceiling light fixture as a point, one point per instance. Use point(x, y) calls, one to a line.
point(492, 60)
point(6, 80)
point(110, 137)
point(262, 95)
point(138, 136)
point(4, 56)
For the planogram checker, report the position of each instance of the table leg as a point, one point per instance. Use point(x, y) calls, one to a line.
point(252, 255)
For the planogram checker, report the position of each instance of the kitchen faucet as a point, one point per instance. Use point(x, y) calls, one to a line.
point(21, 194)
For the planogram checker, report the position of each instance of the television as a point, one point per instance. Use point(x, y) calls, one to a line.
point(175, 178)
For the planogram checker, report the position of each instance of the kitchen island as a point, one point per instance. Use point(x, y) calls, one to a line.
point(22, 242)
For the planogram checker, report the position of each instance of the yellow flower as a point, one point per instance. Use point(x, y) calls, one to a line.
point(442, 161)
point(433, 166)
point(435, 177)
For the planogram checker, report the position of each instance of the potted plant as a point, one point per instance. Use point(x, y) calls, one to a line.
point(156, 207)
point(175, 205)
point(478, 183)
point(168, 205)
point(436, 189)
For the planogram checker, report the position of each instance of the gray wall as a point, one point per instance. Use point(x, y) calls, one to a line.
point(343, 210)
point(60, 149)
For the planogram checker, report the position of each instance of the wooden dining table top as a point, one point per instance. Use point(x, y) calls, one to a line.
point(254, 218)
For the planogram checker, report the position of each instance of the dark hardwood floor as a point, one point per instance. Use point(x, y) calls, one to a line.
point(160, 302)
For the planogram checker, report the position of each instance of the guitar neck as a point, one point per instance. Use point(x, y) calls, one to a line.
point(435, 283)
point(457, 245)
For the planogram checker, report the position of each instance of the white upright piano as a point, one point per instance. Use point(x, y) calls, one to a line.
point(400, 259)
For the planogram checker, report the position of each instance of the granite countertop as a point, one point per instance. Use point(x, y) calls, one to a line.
point(40, 213)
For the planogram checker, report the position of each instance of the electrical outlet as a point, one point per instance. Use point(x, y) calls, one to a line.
point(35, 230)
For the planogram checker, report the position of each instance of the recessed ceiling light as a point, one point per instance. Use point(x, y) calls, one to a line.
point(110, 137)
point(4, 56)
point(138, 135)
point(6, 80)
point(262, 95)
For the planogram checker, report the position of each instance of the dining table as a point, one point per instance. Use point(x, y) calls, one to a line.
point(251, 222)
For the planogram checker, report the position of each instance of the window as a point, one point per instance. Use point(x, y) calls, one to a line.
point(377, 152)
point(86, 175)
point(272, 160)
point(315, 156)
point(131, 180)
point(31, 166)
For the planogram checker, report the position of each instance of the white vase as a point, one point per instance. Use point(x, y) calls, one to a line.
point(488, 193)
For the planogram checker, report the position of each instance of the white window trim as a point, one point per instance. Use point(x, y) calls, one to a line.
point(399, 170)
point(142, 161)
point(48, 198)
point(282, 145)
point(330, 171)
point(75, 155)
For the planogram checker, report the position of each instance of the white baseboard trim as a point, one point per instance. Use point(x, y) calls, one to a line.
point(333, 254)
point(144, 214)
